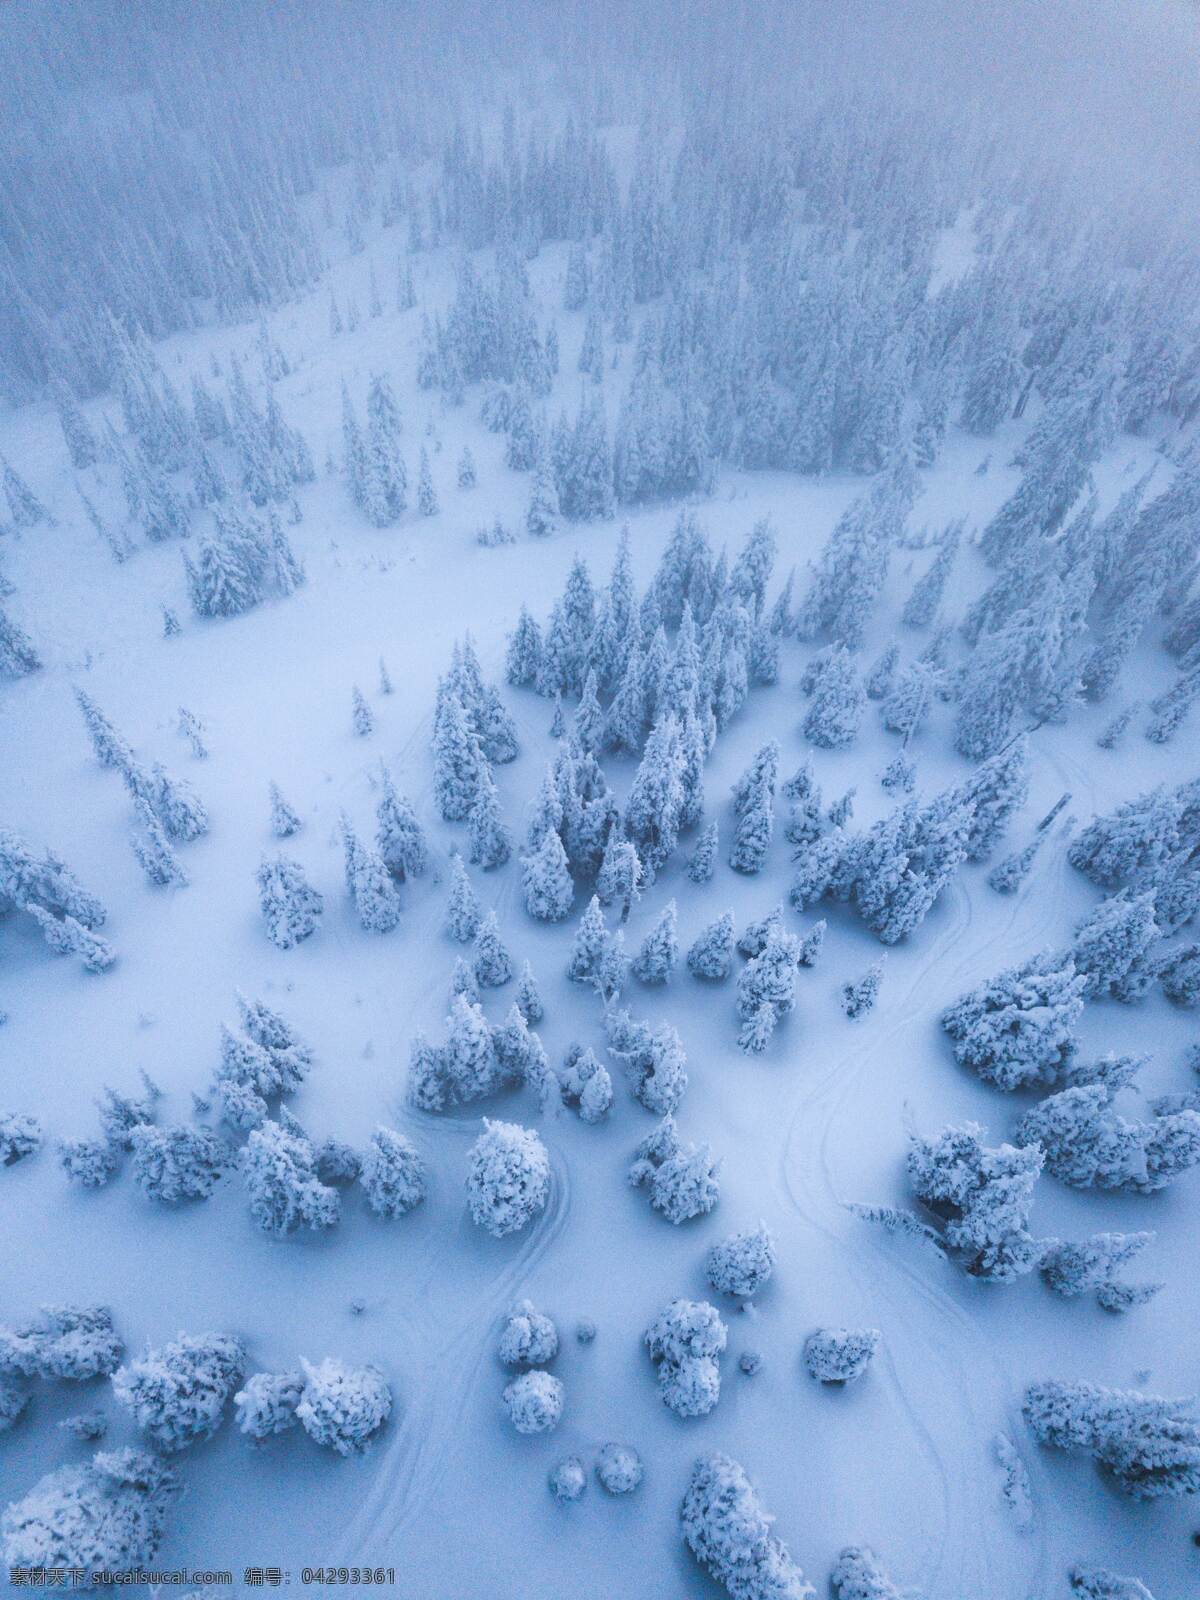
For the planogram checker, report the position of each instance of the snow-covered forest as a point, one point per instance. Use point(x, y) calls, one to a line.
point(599, 797)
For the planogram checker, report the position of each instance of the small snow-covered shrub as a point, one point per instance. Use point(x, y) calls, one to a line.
point(20, 1136)
point(86, 1426)
point(857, 1575)
point(91, 1163)
point(685, 1341)
point(63, 1342)
point(534, 1402)
point(729, 1533)
point(179, 1162)
point(393, 1174)
point(107, 1515)
point(267, 1404)
point(1150, 1445)
point(742, 1263)
point(839, 1355)
point(177, 1394)
point(508, 1178)
point(568, 1480)
point(341, 1406)
point(619, 1468)
point(750, 1362)
point(530, 1338)
point(285, 1192)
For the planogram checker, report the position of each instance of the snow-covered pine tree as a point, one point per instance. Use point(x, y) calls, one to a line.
point(462, 908)
point(291, 907)
point(659, 952)
point(493, 964)
point(711, 954)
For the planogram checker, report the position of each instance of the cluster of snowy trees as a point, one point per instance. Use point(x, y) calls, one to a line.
point(340, 1407)
point(682, 1179)
point(168, 810)
point(44, 888)
point(478, 1059)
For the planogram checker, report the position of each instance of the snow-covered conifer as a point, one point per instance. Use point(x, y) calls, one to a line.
point(177, 1395)
point(393, 1175)
point(838, 702)
point(684, 1342)
point(343, 1407)
point(1180, 977)
point(534, 1402)
point(457, 759)
point(371, 887)
point(524, 657)
point(653, 1058)
point(18, 657)
point(463, 915)
point(361, 717)
point(659, 952)
point(529, 1339)
point(279, 1169)
point(839, 1355)
point(986, 1194)
point(179, 1162)
point(1113, 948)
point(882, 675)
point(24, 507)
point(72, 1343)
point(1151, 1446)
point(399, 836)
point(493, 964)
point(20, 1136)
point(1088, 1144)
point(618, 1468)
point(508, 1178)
point(106, 1515)
point(284, 821)
point(89, 1162)
point(704, 856)
point(1019, 1027)
point(1081, 1265)
point(857, 1575)
point(568, 1480)
point(711, 954)
point(110, 748)
point(742, 1263)
point(729, 1533)
point(266, 1404)
point(427, 500)
point(859, 996)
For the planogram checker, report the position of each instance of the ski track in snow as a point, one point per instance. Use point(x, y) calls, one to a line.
point(949, 1351)
point(414, 1461)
